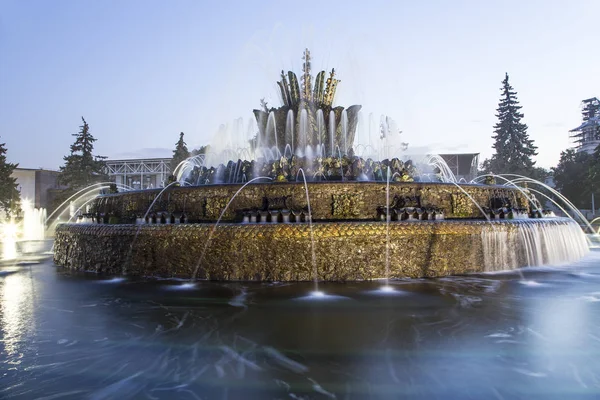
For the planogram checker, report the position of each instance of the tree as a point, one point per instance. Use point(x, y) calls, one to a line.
point(10, 197)
point(514, 149)
point(574, 178)
point(179, 154)
point(540, 173)
point(82, 168)
point(201, 150)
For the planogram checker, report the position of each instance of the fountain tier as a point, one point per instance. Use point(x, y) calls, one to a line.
point(365, 201)
point(344, 250)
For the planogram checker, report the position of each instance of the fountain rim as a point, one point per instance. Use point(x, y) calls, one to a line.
point(450, 221)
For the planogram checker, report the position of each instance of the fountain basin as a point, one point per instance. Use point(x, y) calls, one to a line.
point(345, 250)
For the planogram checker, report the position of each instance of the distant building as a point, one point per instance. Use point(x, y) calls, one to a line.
point(463, 166)
point(37, 185)
point(587, 135)
point(145, 173)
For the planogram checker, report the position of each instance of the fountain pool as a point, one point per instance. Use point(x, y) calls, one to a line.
point(74, 335)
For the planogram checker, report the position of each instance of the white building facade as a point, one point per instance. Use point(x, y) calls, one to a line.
point(145, 173)
point(587, 135)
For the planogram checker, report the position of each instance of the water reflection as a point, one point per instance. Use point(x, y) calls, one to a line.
point(17, 313)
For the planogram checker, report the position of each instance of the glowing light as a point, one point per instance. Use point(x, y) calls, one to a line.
point(317, 293)
point(10, 230)
point(188, 285)
point(386, 289)
point(9, 241)
point(25, 204)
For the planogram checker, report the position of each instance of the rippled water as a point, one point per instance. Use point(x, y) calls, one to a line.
point(494, 336)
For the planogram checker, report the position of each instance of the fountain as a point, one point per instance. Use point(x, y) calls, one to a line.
point(9, 241)
point(25, 235)
point(373, 218)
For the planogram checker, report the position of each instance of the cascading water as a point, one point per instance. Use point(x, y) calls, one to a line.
point(497, 253)
point(387, 229)
point(445, 171)
point(332, 132)
point(320, 128)
point(359, 129)
point(302, 133)
point(271, 130)
point(34, 220)
point(344, 129)
point(383, 134)
point(505, 246)
point(289, 129)
point(312, 237)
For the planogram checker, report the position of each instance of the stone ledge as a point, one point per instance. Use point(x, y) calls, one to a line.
point(345, 251)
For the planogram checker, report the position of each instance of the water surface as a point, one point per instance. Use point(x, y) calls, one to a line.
point(492, 336)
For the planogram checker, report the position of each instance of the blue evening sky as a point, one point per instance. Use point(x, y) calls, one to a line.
point(141, 71)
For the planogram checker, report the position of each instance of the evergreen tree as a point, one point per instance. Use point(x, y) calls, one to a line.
point(574, 177)
point(82, 168)
point(514, 149)
point(179, 154)
point(9, 195)
point(201, 150)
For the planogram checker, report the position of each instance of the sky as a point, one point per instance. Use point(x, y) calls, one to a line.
point(141, 71)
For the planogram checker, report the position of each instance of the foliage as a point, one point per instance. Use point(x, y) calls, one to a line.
point(180, 153)
point(82, 168)
point(574, 177)
point(514, 149)
point(540, 174)
point(201, 150)
point(9, 195)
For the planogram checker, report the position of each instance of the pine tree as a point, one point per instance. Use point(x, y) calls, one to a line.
point(82, 168)
point(201, 150)
point(514, 149)
point(180, 153)
point(9, 194)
